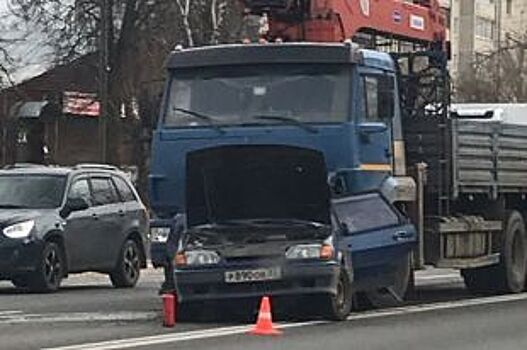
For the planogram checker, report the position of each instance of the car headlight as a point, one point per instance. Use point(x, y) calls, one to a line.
point(197, 257)
point(20, 230)
point(310, 251)
point(159, 234)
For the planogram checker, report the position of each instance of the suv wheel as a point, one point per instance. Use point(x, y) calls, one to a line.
point(50, 270)
point(128, 268)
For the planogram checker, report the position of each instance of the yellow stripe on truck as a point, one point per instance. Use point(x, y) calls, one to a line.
point(376, 167)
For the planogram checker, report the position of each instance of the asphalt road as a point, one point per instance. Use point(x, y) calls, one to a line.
point(89, 314)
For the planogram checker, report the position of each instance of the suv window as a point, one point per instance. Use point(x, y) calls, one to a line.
point(124, 190)
point(80, 189)
point(103, 191)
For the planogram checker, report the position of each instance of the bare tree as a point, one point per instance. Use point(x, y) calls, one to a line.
point(143, 33)
point(507, 65)
point(5, 62)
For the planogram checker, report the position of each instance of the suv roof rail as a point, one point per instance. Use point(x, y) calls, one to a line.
point(96, 166)
point(23, 165)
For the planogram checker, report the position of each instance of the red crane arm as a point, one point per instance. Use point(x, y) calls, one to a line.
point(337, 20)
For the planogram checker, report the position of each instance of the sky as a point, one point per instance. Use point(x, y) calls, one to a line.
point(29, 54)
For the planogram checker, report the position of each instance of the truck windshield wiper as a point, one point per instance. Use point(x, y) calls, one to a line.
point(288, 120)
point(200, 116)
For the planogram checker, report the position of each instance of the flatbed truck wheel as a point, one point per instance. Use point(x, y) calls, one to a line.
point(509, 275)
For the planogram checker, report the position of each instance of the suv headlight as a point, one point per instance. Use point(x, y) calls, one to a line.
point(159, 234)
point(20, 230)
point(310, 251)
point(197, 257)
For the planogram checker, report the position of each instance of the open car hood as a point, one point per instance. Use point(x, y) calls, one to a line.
point(250, 182)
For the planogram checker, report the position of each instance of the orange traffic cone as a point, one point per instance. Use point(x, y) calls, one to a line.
point(264, 324)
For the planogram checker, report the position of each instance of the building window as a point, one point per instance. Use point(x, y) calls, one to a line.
point(509, 7)
point(484, 28)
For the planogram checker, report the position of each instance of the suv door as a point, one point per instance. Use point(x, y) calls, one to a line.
point(108, 210)
point(135, 219)
point(80, 228)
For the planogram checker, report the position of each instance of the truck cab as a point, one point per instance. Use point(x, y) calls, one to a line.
point(232, 112)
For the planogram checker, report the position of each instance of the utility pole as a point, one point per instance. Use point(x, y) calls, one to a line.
point(498, 11)
point(104, 78)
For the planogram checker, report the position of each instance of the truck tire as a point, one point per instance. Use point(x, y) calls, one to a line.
point(509, 275)
point(337, 307)
point(513, 259)
point(395, 294)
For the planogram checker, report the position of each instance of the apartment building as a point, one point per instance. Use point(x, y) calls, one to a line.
point(479, 27)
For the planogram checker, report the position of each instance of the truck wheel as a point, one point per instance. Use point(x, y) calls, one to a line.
point(337, 307)
point(509, 275)
point(128, 268)
point(395, 294)
point(513, 264)
point(50, 270)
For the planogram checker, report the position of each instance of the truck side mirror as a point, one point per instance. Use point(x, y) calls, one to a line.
point(386, 95)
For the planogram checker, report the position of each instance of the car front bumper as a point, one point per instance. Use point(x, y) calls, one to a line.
point(298, 278)
point(18, 257)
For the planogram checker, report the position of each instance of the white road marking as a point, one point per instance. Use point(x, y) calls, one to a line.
point(19, 317)
point(9, 312)
point(226, 331)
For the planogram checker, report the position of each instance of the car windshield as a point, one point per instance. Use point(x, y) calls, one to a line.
point(31, 191)
point(262, 94)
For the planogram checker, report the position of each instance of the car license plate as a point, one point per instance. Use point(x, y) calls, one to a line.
point(264, 274)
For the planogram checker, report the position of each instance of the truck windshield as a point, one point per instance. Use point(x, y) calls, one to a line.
point(31, 191)
point(258, 94)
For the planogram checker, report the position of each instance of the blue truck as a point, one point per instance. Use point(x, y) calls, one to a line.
point(327, 170)
point(285, 179)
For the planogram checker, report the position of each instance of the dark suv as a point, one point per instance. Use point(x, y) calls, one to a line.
point(56, 221)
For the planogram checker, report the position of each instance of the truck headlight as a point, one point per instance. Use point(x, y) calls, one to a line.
point(197, 257)
point(159, 234)
point(20, 230)
point(310, 251)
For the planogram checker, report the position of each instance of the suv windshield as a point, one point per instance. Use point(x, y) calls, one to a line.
point(258, 94)
point(31, 191)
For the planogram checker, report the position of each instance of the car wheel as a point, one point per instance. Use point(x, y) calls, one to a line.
point(337, 307)
point(50, 270)
point(128, 268)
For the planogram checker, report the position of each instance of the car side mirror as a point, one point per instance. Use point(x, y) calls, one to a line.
point(74, 204)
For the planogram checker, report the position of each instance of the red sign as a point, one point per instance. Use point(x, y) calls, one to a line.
point(78, 103)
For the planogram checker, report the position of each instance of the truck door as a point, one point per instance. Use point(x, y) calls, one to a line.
point(374, 136)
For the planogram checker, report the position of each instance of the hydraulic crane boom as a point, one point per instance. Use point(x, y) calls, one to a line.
point(418, 21)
